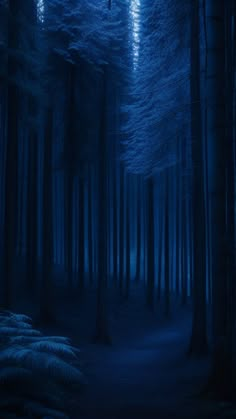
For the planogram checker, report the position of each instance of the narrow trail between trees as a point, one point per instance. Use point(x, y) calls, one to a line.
point(147, 377)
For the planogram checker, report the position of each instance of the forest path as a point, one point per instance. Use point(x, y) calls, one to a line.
point(146, 377)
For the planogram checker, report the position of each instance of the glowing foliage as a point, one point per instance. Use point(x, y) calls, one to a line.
point(38, 374)
point(158, 107)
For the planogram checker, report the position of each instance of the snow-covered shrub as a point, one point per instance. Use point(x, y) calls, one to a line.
point(38, 375)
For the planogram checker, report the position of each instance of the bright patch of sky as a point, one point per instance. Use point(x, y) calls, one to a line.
point(40, 9)
point(135, 18)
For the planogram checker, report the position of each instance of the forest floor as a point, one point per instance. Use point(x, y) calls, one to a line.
point(145, 373)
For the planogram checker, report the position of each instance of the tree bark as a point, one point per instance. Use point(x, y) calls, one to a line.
point(101, 331)
point(160, 244)
point(81, 234)
point(90, 227)
point(219, 382)
point(127, 247)
point(198, 343)
point(167, 247)
point(150, 245)
point(115, 225)
point(138, 246)
point(46, 300)
point(11, 164)
point(121, 230)
point(69, 155)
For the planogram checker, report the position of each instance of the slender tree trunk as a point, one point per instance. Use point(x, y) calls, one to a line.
point(145, 235)
point(81, 234)
point(216, 123)
point(138, 254)
point(184, 253)
point(115, 224)
point(90, 227)
point(30, 11)
point(178, 197)
point(206, 171)
point(230, 207)
point(160, 241)
point(198, 343)
point(47, 225)
point(171, 229)
point(11, 165)
point(151, 244)
point(183, 257)
point(191, 247)
point(69, 186)
point(32, 208)
point(127, 247)
point(121, 241)
point(167, 247)
point(69, 155)
point(101, 332)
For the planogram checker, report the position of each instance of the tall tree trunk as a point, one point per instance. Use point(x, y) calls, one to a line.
point(230, 195)
point(47, 225)
point(32, 208)
point(206, 171)
point(90, 226)
point(121, 231)
point(101, 332)
point(81, 234)
point(184, 253)
point(138, 241)
point(216, 124)
point(30, 11)
point(11, 165)
point(198, 343)
point(69, 186)
point(115, 225)
point(127, 247)
point(167, 247)
point(150, 244)
point(178, 197)
point(160, 249)
point(69, 155)
point(183, 256)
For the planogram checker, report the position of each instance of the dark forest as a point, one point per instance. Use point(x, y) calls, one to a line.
point(117, 209)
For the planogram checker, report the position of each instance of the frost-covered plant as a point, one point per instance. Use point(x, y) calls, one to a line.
point(38, 374)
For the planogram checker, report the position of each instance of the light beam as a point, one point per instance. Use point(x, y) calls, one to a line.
point(135, 18)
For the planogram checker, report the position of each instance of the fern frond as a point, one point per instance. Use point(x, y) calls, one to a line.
point(12, 331)
point(37, 410)
point(37, 373)
point(54, 348)
point(46, 364)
